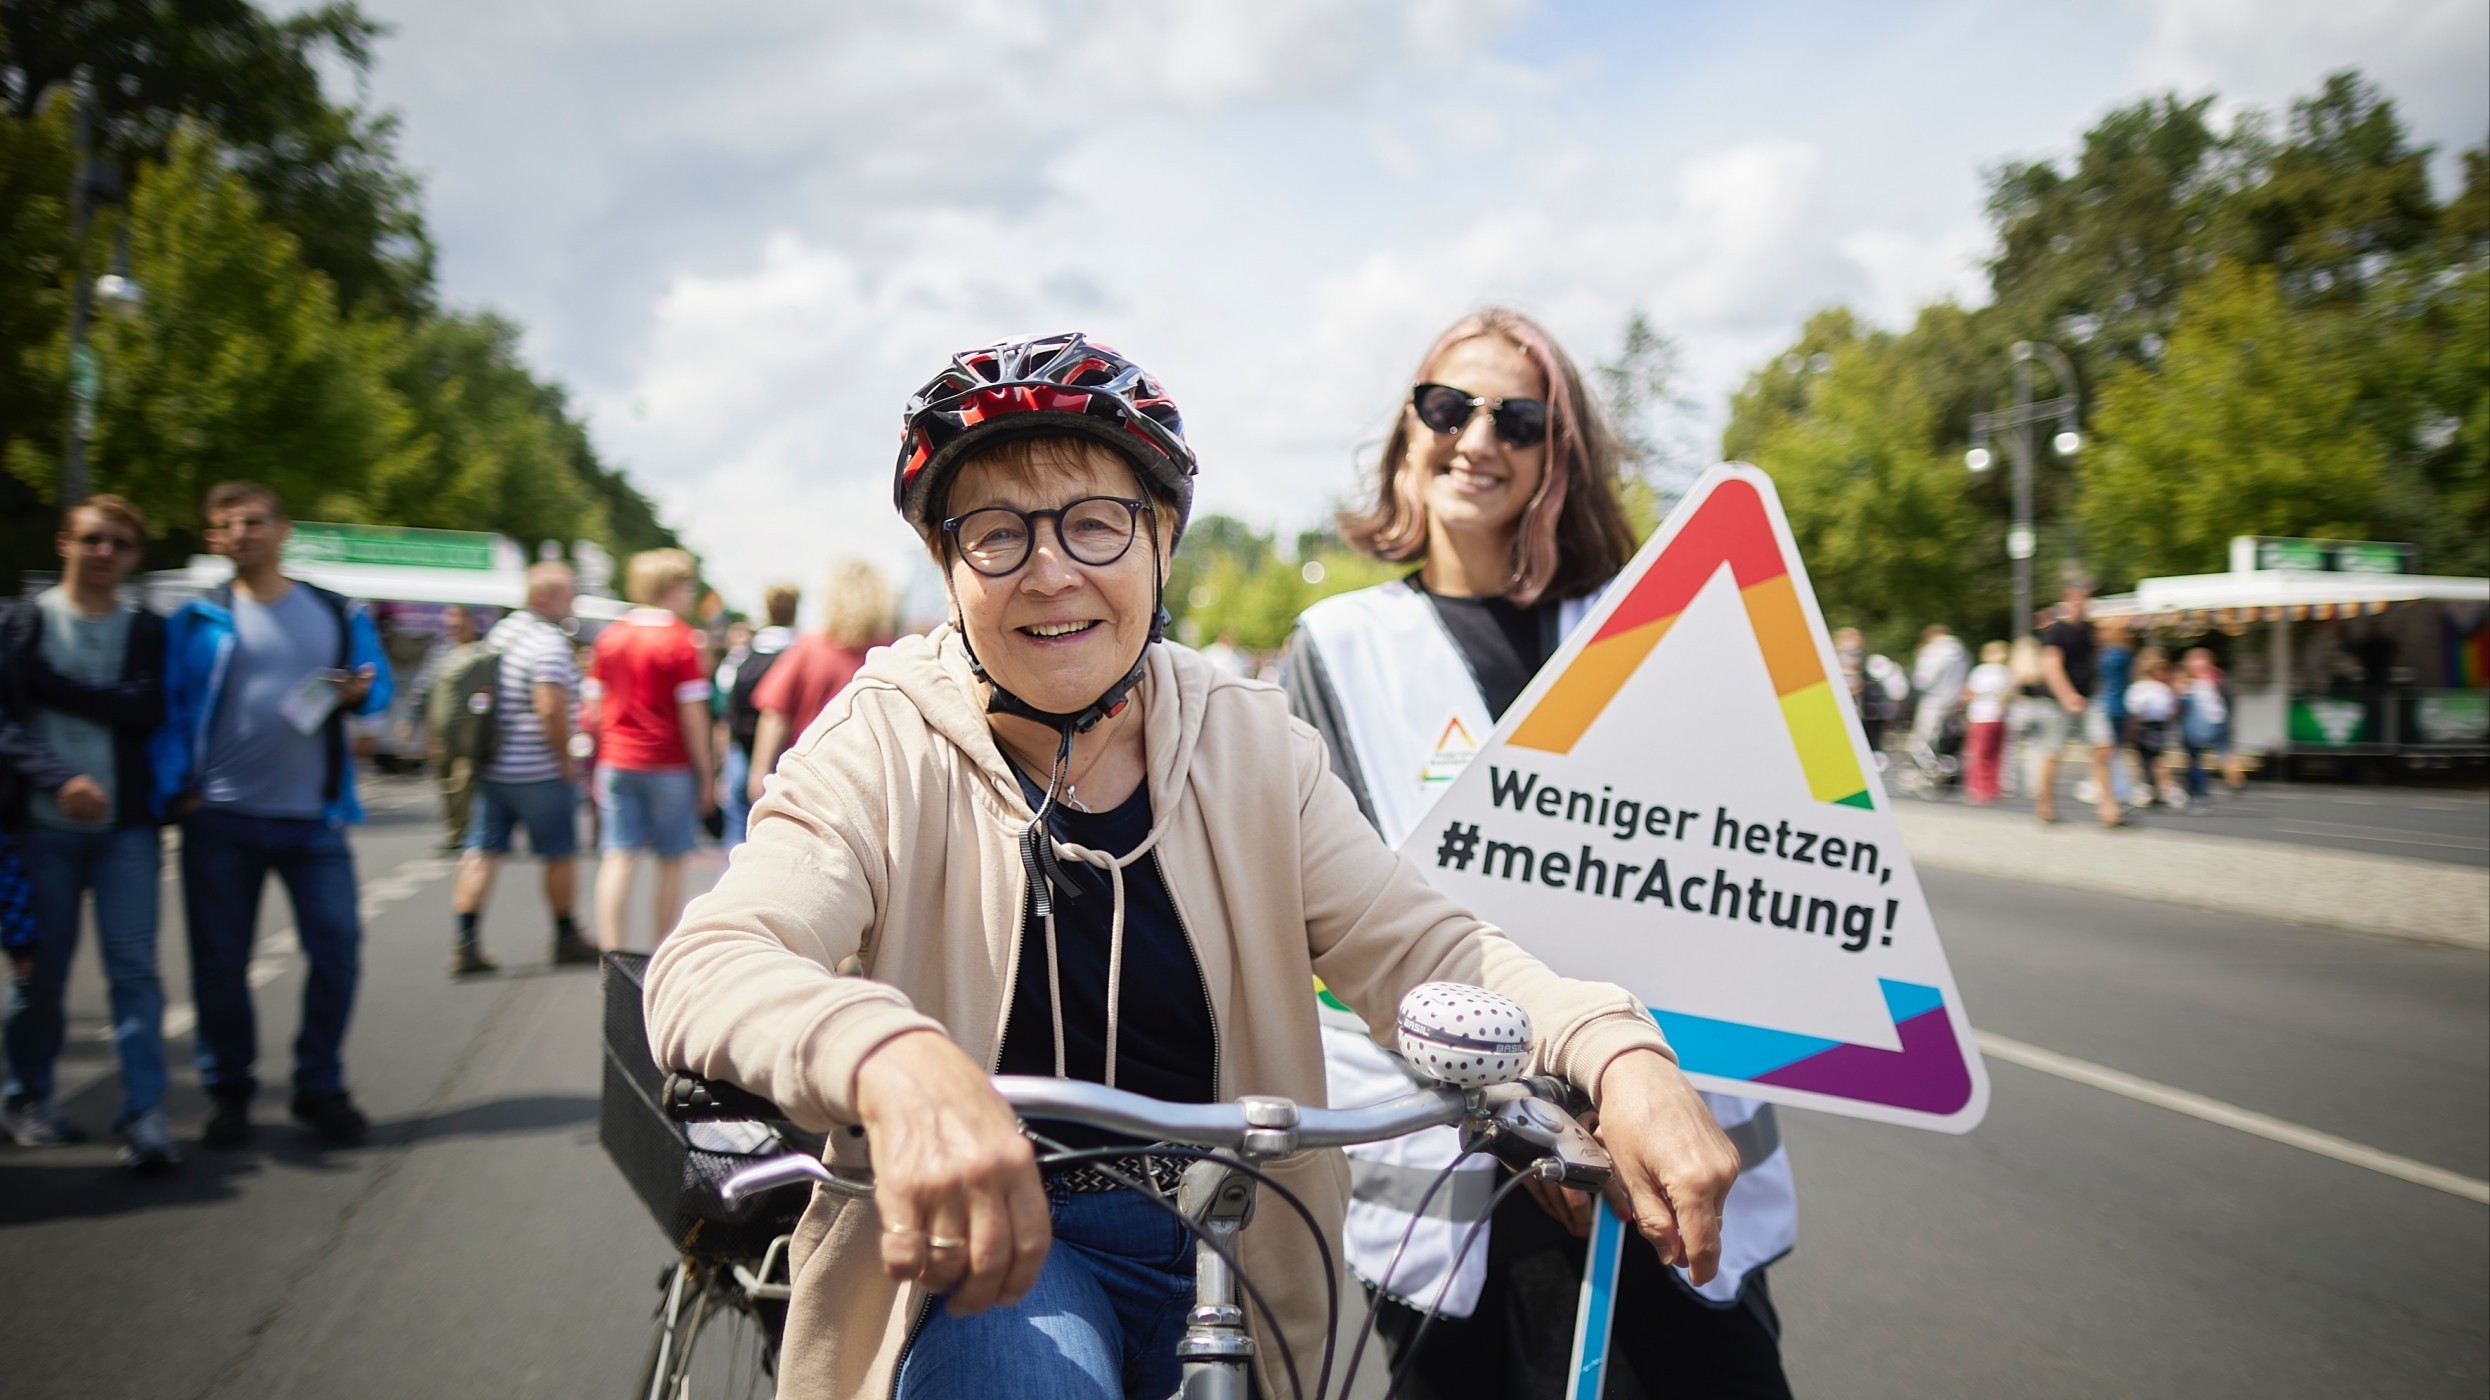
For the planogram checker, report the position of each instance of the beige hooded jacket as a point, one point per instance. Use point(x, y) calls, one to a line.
point(888, 835)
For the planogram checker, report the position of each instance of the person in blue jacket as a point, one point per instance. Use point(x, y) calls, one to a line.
point(255, 763)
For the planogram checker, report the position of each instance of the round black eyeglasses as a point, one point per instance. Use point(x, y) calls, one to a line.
point(1519, 422)
point(1093, 530)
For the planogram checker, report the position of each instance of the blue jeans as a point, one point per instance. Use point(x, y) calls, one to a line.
point(226, 860)
point(737, 804)
point(1102, 1323)
point(2202, 736)
point(122, 868)
point(648, 809)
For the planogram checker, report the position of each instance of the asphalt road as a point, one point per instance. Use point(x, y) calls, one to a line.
point(2077, 1244)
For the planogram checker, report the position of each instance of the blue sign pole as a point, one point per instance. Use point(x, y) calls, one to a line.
point(1599, 1302)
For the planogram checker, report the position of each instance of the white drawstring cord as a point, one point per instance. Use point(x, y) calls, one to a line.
point(1114, 866)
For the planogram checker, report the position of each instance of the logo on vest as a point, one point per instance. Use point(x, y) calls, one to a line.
point(1454, 748)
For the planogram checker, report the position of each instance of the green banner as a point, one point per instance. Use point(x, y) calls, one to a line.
point(2448, 717)
point(2336, 556)
point(2332, 721)
point(316, 543)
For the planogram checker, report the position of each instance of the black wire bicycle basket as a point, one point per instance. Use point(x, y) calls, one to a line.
point(675, 1167)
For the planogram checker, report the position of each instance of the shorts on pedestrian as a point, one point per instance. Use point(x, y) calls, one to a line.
point(548, 809)
point(647, 810)
point(2049, 723)
point(2100, 730)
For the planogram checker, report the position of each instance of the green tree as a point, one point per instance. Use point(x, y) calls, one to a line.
point(1857, 429)
point(1641, 391)
point(2093, 256)
point(1231, 580)
point(2333, 203)
point(327, 174)
point(241, 366)
point(491, 454)
point(35, 163)
point(2256, 423)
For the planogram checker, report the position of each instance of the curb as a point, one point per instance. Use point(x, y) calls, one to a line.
point(2423, 900)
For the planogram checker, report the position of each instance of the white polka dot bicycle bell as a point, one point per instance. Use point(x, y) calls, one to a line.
point(1464, 1036)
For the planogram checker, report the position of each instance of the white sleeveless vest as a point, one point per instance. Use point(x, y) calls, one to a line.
point(1412, 716)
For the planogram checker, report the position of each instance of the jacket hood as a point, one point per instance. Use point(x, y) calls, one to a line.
point(933, 672)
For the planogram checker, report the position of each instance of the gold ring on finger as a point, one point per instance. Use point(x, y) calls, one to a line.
point(943, 1242)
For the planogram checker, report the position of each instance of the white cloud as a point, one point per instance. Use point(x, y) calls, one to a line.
point(1906, 271)
point(2430, 54)
point(744, 235)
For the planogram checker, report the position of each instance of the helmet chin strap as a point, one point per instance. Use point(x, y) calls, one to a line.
point(1037, 852)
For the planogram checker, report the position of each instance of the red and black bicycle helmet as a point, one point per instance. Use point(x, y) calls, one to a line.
point(1063, 383)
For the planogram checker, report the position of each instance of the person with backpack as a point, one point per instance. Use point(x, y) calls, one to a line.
point(254, 762)
point(454, 775)
point(511, 716)
point(739, 677)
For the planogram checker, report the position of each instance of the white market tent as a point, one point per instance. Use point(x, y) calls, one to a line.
point(2280, 599)
point(500, 587)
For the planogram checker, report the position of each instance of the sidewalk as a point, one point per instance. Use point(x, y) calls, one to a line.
point(2294, 879)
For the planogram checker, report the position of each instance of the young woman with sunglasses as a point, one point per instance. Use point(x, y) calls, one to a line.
point(1042, 840)
point(1498, 483)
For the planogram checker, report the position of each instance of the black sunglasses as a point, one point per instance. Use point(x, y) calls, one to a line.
point(1519, 422)
point(1094, 530)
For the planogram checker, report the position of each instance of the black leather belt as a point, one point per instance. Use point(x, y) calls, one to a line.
point(1162, 1174)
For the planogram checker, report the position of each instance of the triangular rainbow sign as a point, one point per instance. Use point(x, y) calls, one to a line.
point(1683, 803)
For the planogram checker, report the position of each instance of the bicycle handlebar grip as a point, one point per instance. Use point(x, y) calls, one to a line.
point(692, 1099)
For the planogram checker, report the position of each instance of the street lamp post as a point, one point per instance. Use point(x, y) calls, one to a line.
point(93, 182)
point(85, 376)
point(2016, 423)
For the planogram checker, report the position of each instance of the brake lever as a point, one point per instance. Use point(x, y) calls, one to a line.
point(1535, 1136)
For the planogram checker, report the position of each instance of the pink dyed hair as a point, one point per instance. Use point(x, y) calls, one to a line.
point(1573, 535)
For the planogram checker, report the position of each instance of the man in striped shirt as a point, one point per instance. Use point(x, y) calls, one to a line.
point(531, 779)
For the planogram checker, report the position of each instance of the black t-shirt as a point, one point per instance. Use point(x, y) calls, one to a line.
point(1504, 644)
point(1165, 1046)
point(2075, 644)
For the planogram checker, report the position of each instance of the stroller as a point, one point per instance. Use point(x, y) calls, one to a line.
point(1933, 766)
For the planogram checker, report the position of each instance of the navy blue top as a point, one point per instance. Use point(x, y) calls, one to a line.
point(1165, 1046)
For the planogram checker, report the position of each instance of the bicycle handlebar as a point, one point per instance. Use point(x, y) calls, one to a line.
point(1534, 1115)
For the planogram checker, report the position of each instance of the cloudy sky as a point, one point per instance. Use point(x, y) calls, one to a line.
point(742, 232)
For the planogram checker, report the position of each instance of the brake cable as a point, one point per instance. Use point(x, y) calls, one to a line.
point(1435, 1309)
point(1383, 1285)
point(1059, 1154)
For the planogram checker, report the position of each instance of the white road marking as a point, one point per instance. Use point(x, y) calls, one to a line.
point(2232, 1116)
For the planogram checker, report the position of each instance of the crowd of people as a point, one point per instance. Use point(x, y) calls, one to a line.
point(227, 719)
point(2150, 731)
point(232, 721)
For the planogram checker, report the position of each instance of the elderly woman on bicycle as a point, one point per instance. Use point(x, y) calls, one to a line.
point(1044, 840)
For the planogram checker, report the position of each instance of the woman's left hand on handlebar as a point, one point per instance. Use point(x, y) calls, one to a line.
point(1674, 1164)
point(954, 1180)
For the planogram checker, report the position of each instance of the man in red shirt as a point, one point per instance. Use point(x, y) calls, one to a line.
point(654, 774)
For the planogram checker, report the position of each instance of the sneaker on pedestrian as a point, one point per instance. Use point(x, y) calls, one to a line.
point(36, 1123)
point(470, 961)
point(147, 1144)
point(569, 950)
point(332, 1116)
point(228, 1121)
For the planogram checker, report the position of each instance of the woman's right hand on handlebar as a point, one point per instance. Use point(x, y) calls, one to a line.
point(950, 1164)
